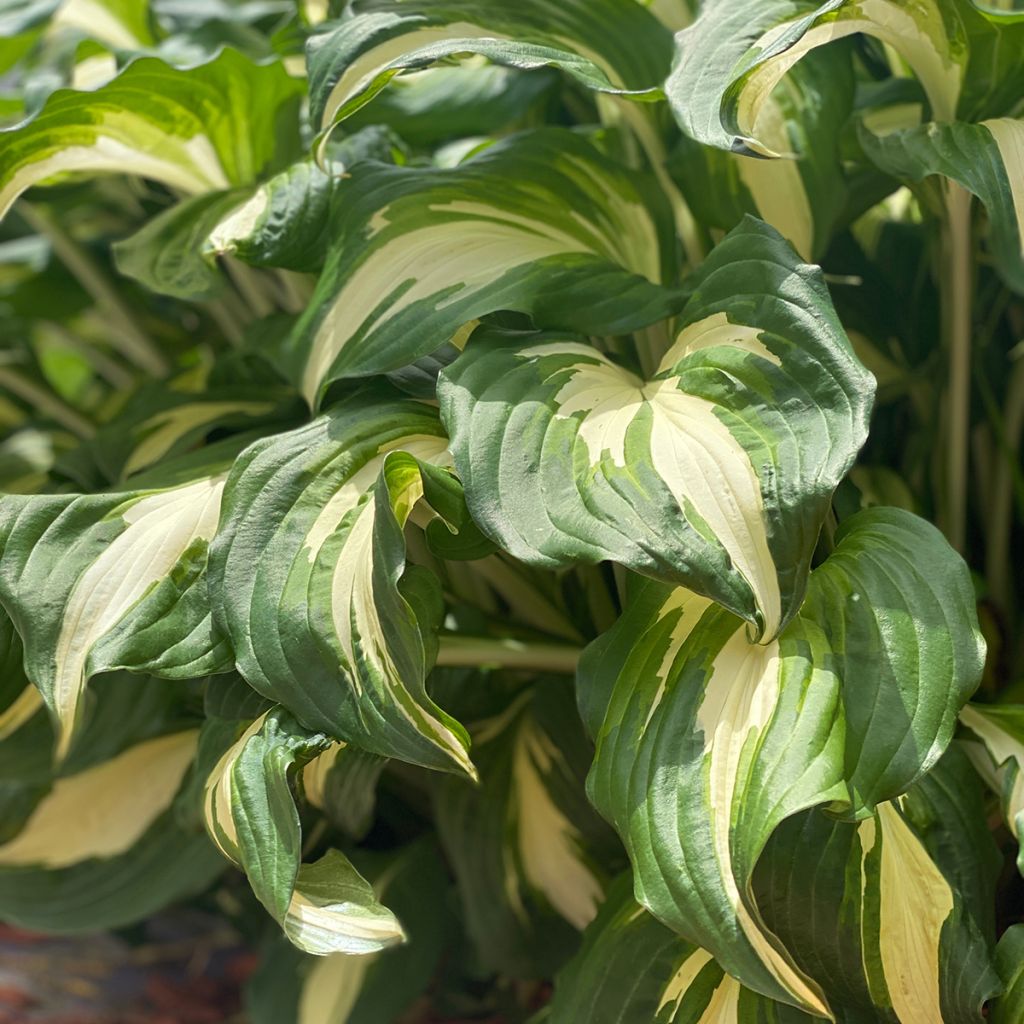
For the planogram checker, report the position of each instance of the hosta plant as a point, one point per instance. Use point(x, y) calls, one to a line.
point(515, 505)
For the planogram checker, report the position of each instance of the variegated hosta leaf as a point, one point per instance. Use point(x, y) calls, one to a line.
point(1000, 759)
point(986, 159)
point(105, 581)
point(893, 916)
point(19, 699)
point(102, 846)
point(631, 969)
point(324, 907)
point(541, 223)
point(308, 575)
point(342, 988)
point(522, 844)
point(801, 197)
point(707, 742)
point(197, 129)
point(612, 46)
point(716, 472)
point(729, 61)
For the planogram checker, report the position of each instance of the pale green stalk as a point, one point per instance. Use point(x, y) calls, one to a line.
point(482, 652)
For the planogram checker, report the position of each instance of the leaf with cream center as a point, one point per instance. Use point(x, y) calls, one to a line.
point(706, 742)
point(309, 578)
point(715, 473)
point(541, 223)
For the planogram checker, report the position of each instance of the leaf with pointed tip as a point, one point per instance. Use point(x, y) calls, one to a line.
point(611, 46)
point(716, 472)
point(309, 578)
point(729, 61)
point(706, 742)
point(324, 907)
point(541, 223)
point(95, 582)
point(196, 129)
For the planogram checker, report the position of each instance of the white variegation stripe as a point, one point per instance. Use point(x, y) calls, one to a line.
point(331, 988)
point(550, 845)
point(220, 822)
point(916, 900)
point(353, 607)
point(739, 701)
point(1008, 133)
point(1007, 756)
point(470, 254)
point(918, 36)
point(685, 976)
point(163, 429)
point(105, 810)
point(691, 449)
point(323, 928)
point(191, 164)
point(98, 22)
point(359, 75)
point(776, 185)
point(314, 775)
point(159, 529)
point(20, 710)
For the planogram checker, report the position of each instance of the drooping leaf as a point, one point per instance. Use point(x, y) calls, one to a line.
point(986, 158)
point(324, 907)
point(715, 472)
point(540, 223)
point(343, 988)
point(309, 581)
point(706, 742)
point(729, 61)
point(611, 46)
point(197, 129)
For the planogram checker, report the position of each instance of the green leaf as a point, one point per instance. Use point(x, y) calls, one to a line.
point(987, 159)
point(342, 783)
point(196, 129)
point(523, 843)
point(706, 742)
point(715, 472)
point(1009, 1007)
point(166, 254)
point(633, 970)
point(103, 581)
point(308, 577)
point(892, 915)
point(324, 907)
point(541, 223)
point(730, 60)
point(611, 46)
point(284, 223)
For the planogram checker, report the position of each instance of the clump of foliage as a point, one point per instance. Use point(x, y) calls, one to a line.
point(471, 465)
